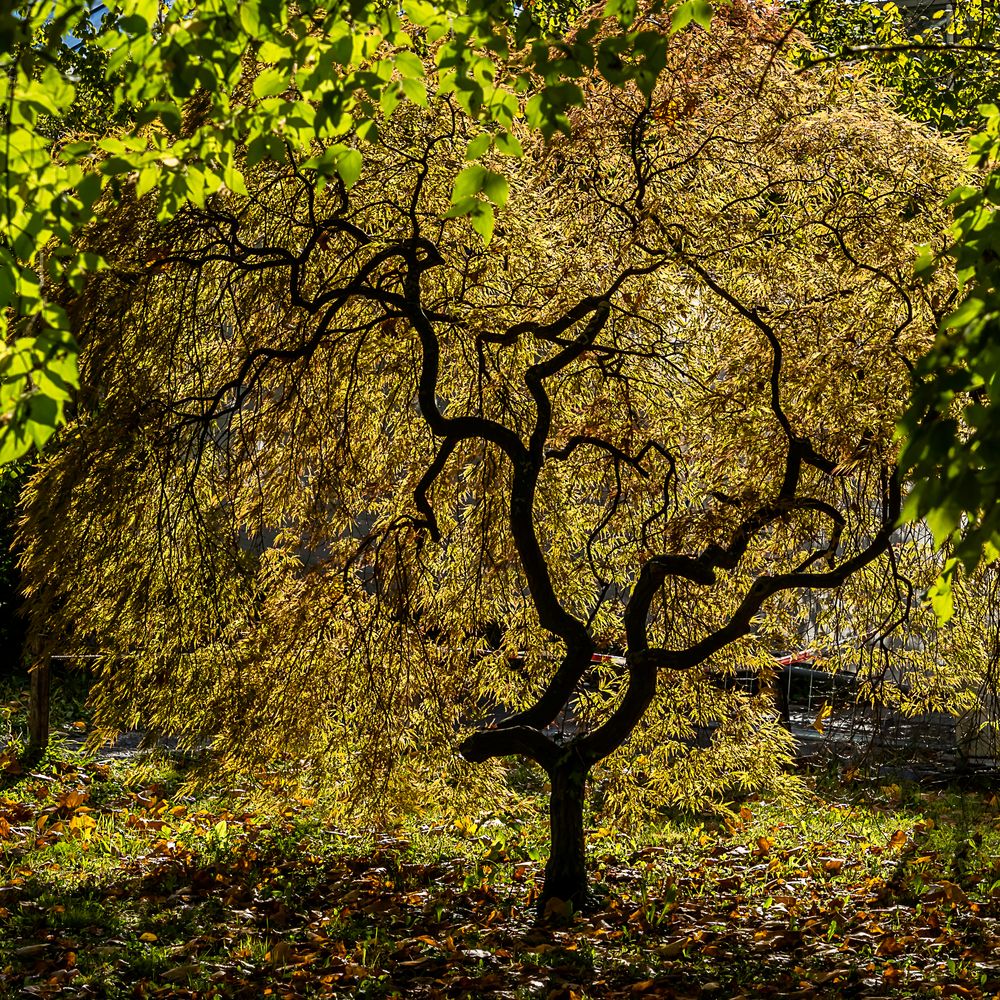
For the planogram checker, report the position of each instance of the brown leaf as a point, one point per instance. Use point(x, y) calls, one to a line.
point(954, 893)
point(890, 946)
point(898, 839)
point(72, 798)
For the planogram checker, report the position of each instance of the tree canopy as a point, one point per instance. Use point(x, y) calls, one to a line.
point(196, 85)
point(177, 98)
point(939, 65)
point(944, 70)
point(349, 481)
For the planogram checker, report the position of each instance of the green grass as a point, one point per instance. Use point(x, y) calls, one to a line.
point(117, 882)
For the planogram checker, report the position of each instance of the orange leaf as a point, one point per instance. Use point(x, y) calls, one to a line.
point(72, 799)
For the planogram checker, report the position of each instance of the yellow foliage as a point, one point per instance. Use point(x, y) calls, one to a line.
point(241, 519)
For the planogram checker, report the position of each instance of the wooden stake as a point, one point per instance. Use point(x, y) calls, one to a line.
point(38, 708)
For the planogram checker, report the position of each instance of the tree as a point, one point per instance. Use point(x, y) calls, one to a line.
point(944, 72)
point(940, 68)
point(175, 88)
point(349, 480)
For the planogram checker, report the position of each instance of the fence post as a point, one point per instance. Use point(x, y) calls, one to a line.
point(38, 708)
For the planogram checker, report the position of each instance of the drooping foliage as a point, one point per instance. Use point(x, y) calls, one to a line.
point(348, 483)
point(943, 68)
point(165, 88)
point(939, 62)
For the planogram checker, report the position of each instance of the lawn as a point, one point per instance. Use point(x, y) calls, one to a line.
point(117, 881)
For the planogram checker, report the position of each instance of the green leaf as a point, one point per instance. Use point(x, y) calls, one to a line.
point(146, 10)
point(940, 593)
point(702, 13)
point(422, 13)
point(925, 264)
point(496, 188)
point(942, 602)
point(943, 520)
point(478, 146)
point(389, 100)
point(468, 183)
point(349, 165)
point(415, 91)
point(42, 420)
point(462, 206)
point(624, 10)
point(56, 92)
point(269, 83)
point(699, 11)
point(89, 189)
point(234, 180)
point(272, 52)
point(14, 444)
point(969, 310)
point(482, 221)
point(250, 17)
point(409, 65)
point(508, 144)
point(148, 178)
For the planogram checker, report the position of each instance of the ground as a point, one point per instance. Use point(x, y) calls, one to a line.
point(115, 883)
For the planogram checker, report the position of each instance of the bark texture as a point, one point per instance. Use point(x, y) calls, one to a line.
point(566, 870)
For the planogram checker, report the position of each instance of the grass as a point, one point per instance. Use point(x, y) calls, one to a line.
point(117, 883)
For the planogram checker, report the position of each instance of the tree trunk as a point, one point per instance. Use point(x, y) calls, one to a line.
point(566, 871)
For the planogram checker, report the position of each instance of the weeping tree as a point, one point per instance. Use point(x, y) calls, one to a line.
point(358, 475)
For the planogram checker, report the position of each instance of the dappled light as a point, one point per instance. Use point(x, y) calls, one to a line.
point(499, 500)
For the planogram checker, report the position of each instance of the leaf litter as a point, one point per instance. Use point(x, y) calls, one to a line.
point(115, 889)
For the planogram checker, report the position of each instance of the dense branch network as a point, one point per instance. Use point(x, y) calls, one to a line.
point(383, 481)
point(387, 276)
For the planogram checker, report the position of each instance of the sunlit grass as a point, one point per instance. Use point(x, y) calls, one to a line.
point(119, 871)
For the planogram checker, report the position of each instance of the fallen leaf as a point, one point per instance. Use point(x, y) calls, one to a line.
point(954, 893)
point(30, 950)
point(674, 948)
point(181, 972)
point(559, 908)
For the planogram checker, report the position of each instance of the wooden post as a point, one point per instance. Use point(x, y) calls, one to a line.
point(38, 708)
